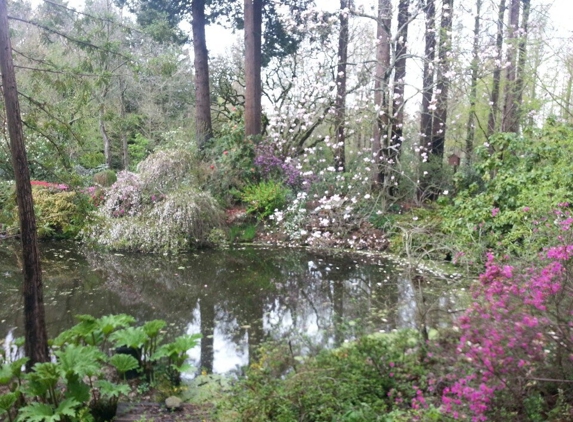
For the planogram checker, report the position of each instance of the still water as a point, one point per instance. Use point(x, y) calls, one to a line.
point(236, 298)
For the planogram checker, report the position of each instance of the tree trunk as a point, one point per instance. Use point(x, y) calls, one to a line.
point(566, 110)
point(520, 82)
point(203, 128)
point(381, 83)
point(494, 99)
point(471, 130)
point(428, 77)
point(399, 78)
point(442, 82)
point(253, 30)
point(36, 339)
point(509, 120)
point(340, 103)
point(124, 145)
point(105, 137)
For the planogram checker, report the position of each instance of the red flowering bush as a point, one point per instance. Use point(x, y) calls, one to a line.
point(49, 185)
point(515, 354)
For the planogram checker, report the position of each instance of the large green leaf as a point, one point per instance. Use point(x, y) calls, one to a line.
point(6, 374)
point(124, 363)
point(67, 407)
point(47, 373)
point(152, 328)
point(40, 412)
point(7, 400)
point(17, 366)
point(177, 349)
point(83, 331)
point(77, 389)
point(81, 360)
point(134, 337)
point(109, 323)
point(109, 389)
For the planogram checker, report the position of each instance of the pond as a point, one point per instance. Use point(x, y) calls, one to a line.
point(236, 298)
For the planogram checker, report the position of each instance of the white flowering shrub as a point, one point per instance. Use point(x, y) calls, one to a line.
point(328, 218)
point(329, 221)
point(156, 210)
point(165, 169)
point(181, 221)
point(293, 219)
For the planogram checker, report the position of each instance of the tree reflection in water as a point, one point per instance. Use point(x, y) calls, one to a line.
point(236, 298)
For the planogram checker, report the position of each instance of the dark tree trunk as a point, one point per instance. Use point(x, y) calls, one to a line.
point(494, 99)
point(471, 131)
point(340, 103)
point(509, 121)
point(124, 145)
point(253, 30)
point(381, 83)
point(399, 78)
point(428, 77)
point(520, 82)
point(442, 82)
point(203, 127)
point(36, 339)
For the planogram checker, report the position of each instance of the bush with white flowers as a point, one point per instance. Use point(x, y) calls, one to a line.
point(148, 212)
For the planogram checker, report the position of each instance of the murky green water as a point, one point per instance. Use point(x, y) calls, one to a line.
point(235, 298)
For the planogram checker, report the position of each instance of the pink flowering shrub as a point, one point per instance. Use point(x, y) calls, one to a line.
point(125, 196)
point(516, 340)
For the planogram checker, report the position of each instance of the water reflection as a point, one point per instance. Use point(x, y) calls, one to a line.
point(235, 298)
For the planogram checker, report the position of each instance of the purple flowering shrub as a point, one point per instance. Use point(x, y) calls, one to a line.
point(272, 165)
point(516, 343)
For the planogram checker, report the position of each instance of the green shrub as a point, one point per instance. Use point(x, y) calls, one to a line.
point(264, 198)
point(361, 381)
point(500, 204)
point(7, 203)
point(242, 233)
point(105, 178)
point(92, 160)
point(138, 149)
point(231, 162)
point(58, 213)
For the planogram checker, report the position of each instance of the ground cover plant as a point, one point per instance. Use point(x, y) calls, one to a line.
point(88, 374)
point(381, 374)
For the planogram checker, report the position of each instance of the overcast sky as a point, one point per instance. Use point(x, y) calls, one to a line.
point(218, 39)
